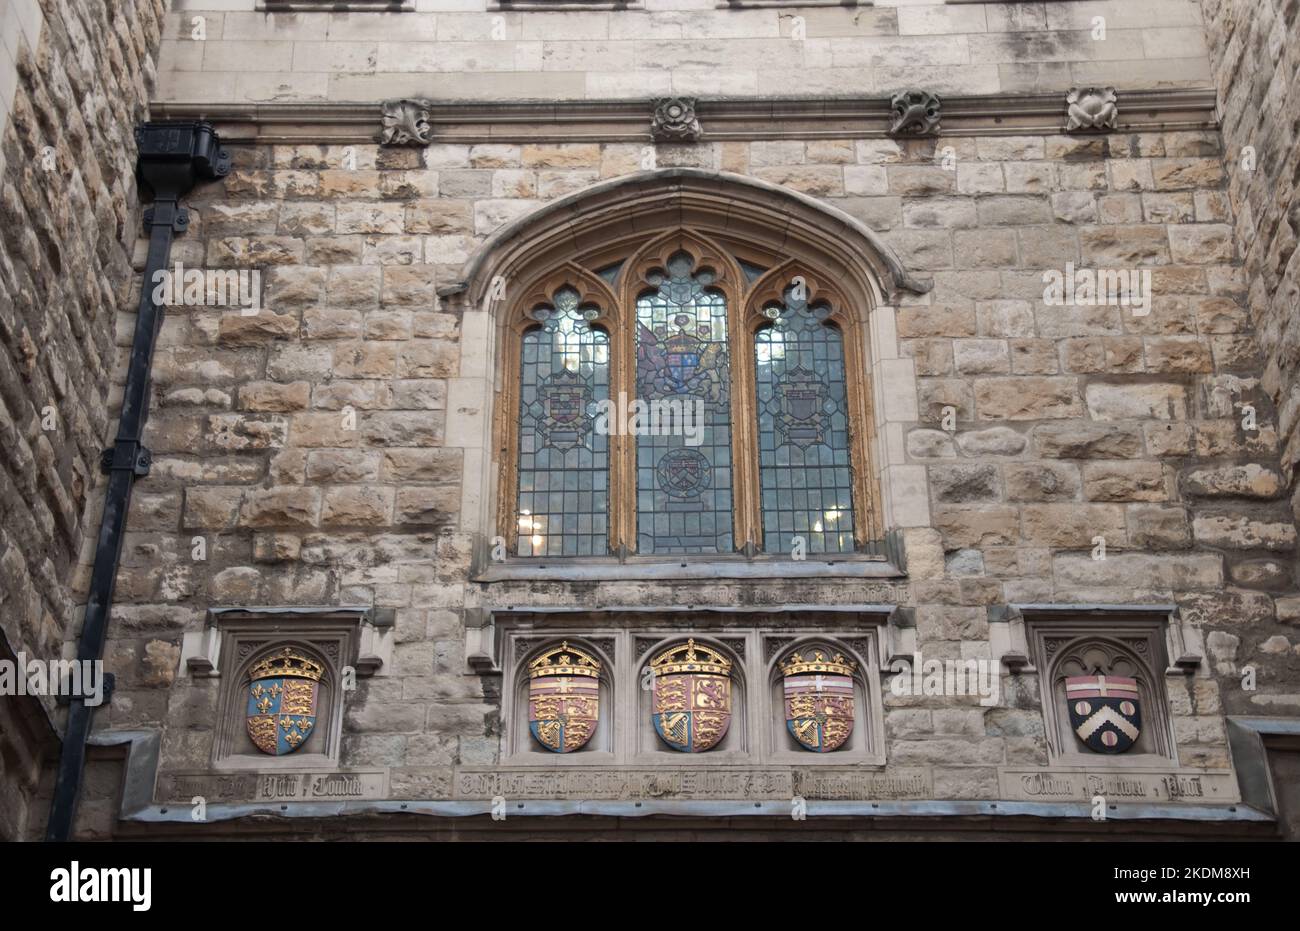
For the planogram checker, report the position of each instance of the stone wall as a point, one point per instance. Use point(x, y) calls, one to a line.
point(1256, 52)
point(1071, 423)
point(462, 50)
point(80, 75)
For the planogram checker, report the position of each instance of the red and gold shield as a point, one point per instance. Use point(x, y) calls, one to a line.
point(282, 699)
point(819, 700)
point(563, 698)
point(691, 702)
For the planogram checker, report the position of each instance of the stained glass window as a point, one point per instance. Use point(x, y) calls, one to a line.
point(563, 504)
point(683, 377)
point(803, 433)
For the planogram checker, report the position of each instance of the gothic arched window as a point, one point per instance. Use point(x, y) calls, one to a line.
point(678, 394)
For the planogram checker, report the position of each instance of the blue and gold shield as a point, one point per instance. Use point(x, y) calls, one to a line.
point(691, 700)
point(1105, 711)
point(819, 704)
point(282, 698)
point(563, 698)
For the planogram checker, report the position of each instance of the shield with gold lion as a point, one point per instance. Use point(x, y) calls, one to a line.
point(691, 702)
point(282, 698)
point(819, 700)
point(563, 698)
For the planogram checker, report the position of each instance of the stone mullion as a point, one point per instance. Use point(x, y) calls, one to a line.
point(622, 446)
point(745, 484)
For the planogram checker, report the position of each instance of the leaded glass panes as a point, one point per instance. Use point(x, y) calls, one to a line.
point(684, 477)
point(563, 504)
point(803, 434)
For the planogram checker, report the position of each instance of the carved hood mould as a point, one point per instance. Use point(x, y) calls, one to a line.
point(707, 199)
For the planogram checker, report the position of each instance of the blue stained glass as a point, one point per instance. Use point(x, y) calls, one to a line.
point(563, 500)
point(805, 467)
point(682, 368)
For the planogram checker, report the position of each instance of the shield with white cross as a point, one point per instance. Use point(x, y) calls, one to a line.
point(1105, 711)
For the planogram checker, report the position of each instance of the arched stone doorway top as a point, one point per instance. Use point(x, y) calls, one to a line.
point(786, 222)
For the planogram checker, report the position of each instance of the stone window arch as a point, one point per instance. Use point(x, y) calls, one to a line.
point(670, 295)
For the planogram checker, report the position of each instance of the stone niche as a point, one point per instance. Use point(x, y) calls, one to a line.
point(633, 650)
point(319, 652)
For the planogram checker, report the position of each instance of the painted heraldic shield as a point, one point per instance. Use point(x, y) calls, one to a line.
point(691, 702)
point(1105, 711)
point(819, 700)
point(563, 698)
point(282, 699)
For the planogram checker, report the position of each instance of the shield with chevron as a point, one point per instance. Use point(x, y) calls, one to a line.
point(1105, 711)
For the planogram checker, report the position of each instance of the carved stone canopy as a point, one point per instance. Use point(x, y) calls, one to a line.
point(916, 113)
point(1091, 108)
point(674, 120)
point(406, 122)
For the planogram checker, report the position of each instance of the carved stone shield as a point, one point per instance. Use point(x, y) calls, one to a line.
point(1105, 711)
point(819, 704)
point(563, 698)
point(282, 698)
point(691, 699)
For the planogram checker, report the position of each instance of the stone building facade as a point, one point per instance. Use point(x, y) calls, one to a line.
point(346, 485)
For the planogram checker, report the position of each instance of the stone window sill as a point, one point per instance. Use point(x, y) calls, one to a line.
point(335, 6)
point(760, 4)
point(850, 566)
point(530, 6)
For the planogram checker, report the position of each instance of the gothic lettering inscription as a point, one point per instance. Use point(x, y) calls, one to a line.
point(272, 787)
point(1129, 785)
point(694, 783)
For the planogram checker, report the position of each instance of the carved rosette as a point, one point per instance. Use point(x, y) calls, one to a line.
point(674, 120)
point(406, 122)
point(1091, 108)
point(916, 113)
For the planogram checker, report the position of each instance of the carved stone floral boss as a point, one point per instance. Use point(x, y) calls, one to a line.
point(282, 698)
point(1091, 108)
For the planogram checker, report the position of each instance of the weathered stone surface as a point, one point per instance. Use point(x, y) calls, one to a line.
point(1250, 480)
point(1124, 481)
point(1027, 398)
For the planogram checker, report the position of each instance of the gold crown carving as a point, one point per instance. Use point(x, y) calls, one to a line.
point(796, 665)
point(288, 662)
point(687, 657)
point(564, 660)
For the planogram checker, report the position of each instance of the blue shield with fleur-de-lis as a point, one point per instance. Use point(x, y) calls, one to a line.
point(282, 699)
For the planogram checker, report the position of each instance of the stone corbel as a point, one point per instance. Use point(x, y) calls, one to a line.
point(1008, 638)
point(1091, 108)
point(674, 120)
point(1184, 645)
point(899, 636)
point(406, 122)
point(480, 642)
point(201, 651)
point(916, 113)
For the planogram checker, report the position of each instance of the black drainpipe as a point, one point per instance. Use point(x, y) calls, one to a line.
point(173, 157)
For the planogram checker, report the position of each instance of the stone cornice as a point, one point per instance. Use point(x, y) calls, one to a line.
point(723, 119)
